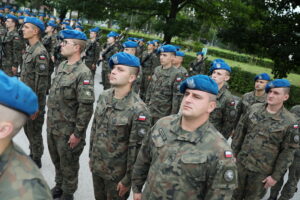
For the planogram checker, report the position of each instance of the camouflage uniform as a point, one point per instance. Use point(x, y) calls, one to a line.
point(246, 101)
point(140, 51)
point(70, 107)
point(179, 164)
point(35, 73)
point(197, 67)
point(12, 46)
point(2, 34)
point(105, 66)
point(20, 178)
point(148, 62)
point(58, 58)
point(49, 43)
point(163, 96)
point(117, 131)
point(224, 115)
point(92, 51)
point(264, 144)
point(290, 188)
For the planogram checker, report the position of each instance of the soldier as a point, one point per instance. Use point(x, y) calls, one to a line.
point(184, 156)
point(224, 116)
point(121, 121)
point(70, 107)
point(149, 61)
point(2, 26)
point(49, 42)
point(264, 143)
point(177, 62)
point(92, 50)
point(35, 70)
point(19, 176)
point(162, 94)
point(256, 96)
point(78, 28)
point(11, 47)
point(141, 48)
point(109, 49)
point(198, 66)
point(290, 187)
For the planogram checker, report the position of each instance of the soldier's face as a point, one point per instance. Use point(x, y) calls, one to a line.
point(29, 31)
point(150, 47)
point(93, 35)
point(48, 29)
point(199, 57)
point(196, 104)
point(131, 51)
point(277, 96)
point(220, 76)
point(166, 58)
point(177, 60)
point(110, 40)
point(9, 23)
point(68, 47)
point(260, 84)
point(120, 76)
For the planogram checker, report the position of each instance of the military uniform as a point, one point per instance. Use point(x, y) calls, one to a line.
point(290, 188)
point(224, 115)
point(264, 144)
point(12, 51)
point(246, 101)
point(109, 51)
point(197, 67)
point(58, 58)
point(20, 178)
point(163, 96)
point(92, 54)
point(35, 73)
point(148, 62)
point(118, 128)
point(179, 164)
point(70, 107)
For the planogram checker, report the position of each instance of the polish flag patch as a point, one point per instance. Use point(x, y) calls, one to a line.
point(86, 82)
point(232, 103)
point(42, 57)
point(296, 126)
point(142, 118)
point(178, 79)
point(228, 154)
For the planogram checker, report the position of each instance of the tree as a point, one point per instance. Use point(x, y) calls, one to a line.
point(265, 28)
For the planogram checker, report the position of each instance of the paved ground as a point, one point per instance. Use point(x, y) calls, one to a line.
point(85, 187)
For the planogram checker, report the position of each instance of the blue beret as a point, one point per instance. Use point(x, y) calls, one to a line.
point(130, 44)
point(21, 17)
point(262, 76)
point(199, 82)
point(1, 15)
point(219, 64)
point(68, 27)
point(141, 39)
point(177, 47)
point(150, 42)
point(51, 23)
point(113, 34)
point(72, 34)
point(167, 48)
point(68, 20)
point(9, 7)
point(77, 26)
point(17, 95)
point(52, 17)
point(27, 12)
point(9, 16)
point(156, 41)
point(20, 11)
point(66, 23)
point(1, 8)
point(13, 10)
point(96, 29)
point(130, 39)
point(180, 53)
point(42, 15)
point(35, 21)
point(277, 83)
point(34, 15)
point(73, 19)
point(200, 53)
point(123, 58)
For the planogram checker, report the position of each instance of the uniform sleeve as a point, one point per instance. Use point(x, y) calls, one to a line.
point(17, 51)
point(238, 111)
point(53, 43)
point(149, 91)
point(239, 134)
point(223, 180)
point(97, 52)
point(140, 126)
point(35, 189)
point(229, 118)
point(177, 96)
point(85, 97)
point(142, 164)
point(286, 155)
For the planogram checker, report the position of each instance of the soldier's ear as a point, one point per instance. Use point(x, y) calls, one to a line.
point(211, 106)
point(6, 129)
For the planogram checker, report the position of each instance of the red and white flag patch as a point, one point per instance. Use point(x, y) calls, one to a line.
point(232, 103)
point(86, 82)
point(142, 118)
point(228, 154)
point(178, 79)
point(296, 126)
point(42, 57)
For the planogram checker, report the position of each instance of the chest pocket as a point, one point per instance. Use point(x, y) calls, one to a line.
point(68, 92)
point(194, 166)
point(121, 128)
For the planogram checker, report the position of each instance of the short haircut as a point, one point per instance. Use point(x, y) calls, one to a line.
point(134, 70)
point(18, 119)
point(81, 43)
point(286, 90)
point(212, 97)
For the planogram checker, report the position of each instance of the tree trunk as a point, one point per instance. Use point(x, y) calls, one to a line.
point(169, 31)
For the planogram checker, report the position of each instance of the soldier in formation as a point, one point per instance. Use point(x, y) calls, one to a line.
point(198, 65)
point(184, 156)
point(92, 50)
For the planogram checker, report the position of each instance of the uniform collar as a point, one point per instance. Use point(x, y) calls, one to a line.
point(222, 90)
point(32, 48)
point(70, 68)
point(277, 116)
point(122, 103)
point(260, 99)
point(194, 136)
point(4, 158)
